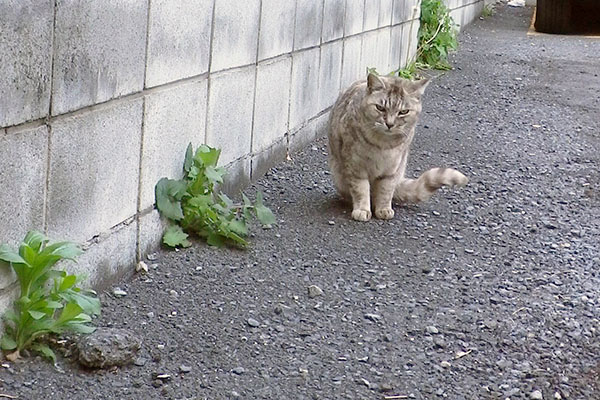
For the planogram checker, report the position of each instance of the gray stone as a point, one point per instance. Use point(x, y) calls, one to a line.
point(108, 347)
point(276, 28)
point(333, 20)
point(174, 117)
point(309, 20)
point(178, 40)
point(272, 103)
point(536, 395)
point(235, 36)
point(253, 323)
point(87, 195)
point(100, 51)
point(314, 291)
point(185, 369)
point(26, 63)
point(238, 370)
point(229, 125)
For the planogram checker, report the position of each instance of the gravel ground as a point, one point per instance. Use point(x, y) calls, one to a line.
point(488, 292)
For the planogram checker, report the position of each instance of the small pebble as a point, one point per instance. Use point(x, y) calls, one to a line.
point(119, 292)
point(445, 364)
point(253, 323)
point(185, 369)
point(433, 330)
point(536, 395)
point(238, 370)
point(314, 291)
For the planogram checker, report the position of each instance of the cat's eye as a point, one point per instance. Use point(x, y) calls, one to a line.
point(379, 108)
point(403, 112)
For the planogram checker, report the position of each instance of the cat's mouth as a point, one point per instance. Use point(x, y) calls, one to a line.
point(394, 131)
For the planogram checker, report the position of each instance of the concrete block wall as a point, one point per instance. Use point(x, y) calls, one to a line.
point(98, 100)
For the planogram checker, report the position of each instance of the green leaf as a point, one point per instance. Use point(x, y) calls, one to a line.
point(175, 236)
point(239, 227)
point(207, 156)
point(89, 304)
point(8, 255)
point(35, 240)
point(215, 175)
point(45, 351)
point(65, 250)
point(81, 328)
point(37, 314)
point(67, 283)
point(263, 213)
point(8, 343)
point(70, 312)
point(214, 239)
point(169, 193)
point(188, 162)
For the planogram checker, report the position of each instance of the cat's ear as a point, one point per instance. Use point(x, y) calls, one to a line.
point(418, 87)
point(374, 83)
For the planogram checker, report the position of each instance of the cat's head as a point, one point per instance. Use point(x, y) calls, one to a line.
point(392, 105)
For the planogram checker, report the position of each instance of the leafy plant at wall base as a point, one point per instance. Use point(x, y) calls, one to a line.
point(49, 300)
point(437, 35)
point(196, 206)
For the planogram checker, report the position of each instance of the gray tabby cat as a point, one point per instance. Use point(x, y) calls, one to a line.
point(371, 128)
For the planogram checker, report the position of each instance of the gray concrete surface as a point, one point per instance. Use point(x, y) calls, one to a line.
point(488, 292)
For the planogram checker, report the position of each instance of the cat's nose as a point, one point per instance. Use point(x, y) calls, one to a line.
point(390, 125)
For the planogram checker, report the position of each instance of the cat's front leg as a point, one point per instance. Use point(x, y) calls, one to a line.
point(382, 197)
point(361, 200)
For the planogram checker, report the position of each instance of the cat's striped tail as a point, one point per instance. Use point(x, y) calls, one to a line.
point(421, 189)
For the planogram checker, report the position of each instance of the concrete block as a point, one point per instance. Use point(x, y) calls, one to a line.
point(23, 179)
point(375, 51)
point(305, 85)
point(309, 22)
point(150, 231)
point(94, 169)
point(108, 258)
point(230, 109)
point(355, 12)
point(100, 51)
point(276, 28)
point(238, 177)
point(351, 65)
point(272, 102)
point(371, 15)
point(333, 20)
point(405, 10)
point(385, 12)
point(235, 36)
point(26, 62)
point(268, 158)
point(396, 48)
point(307, 134)
point(410, 31)
point(178, 40)
point(330, 75)
point(174, 118)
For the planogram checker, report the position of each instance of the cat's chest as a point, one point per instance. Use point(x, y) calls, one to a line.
point(381, 163)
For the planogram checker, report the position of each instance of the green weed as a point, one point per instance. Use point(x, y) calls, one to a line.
point(49, 300)
point(195, 205)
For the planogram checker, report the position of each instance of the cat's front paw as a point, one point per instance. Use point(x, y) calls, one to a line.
point(384, 213)
point(361, 215)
